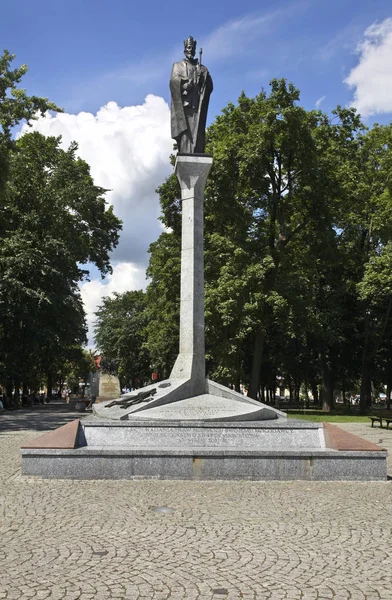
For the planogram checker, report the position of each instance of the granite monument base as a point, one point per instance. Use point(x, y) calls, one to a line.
point(205, 464)
point(280, 449)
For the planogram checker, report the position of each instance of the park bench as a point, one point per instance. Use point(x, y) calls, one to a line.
point(380, 418)
point(376, 420)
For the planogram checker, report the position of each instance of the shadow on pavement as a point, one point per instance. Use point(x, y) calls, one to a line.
point(39, 418)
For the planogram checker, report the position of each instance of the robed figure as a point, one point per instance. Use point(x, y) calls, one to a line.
point(190, 86)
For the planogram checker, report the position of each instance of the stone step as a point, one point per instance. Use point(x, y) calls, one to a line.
point(205, 464)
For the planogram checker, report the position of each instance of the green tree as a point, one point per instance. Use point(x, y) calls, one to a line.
point(15, 106)
point(56, 222)
point(76, 363)
point(260, 195)
point(266, 160)
point(363, 222)
point(297, 227)
point(163, 301)
point(120, 336)
point(373, 218)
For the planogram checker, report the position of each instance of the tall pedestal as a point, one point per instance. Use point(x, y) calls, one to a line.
point(187, 394)
point(192, 172)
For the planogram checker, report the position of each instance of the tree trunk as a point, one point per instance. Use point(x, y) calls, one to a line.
point(49, 384)
point(290, 390)
point(274, 392)
point(225, 381)
point(314, 388)
point(367, 359)
point(8, 389)
point(237, 382)
point(297, 387)
point(238, 375)
point(366, 388)
point(306, 401)
point(389, 396)
point(16, 393)
point(257, 361)
point(346, 399)
point(326, 382)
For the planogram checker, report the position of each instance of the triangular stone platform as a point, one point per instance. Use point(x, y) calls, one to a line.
point(68, 437)
point(178, 400)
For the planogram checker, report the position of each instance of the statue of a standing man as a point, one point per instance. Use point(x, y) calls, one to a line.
point(190, 86)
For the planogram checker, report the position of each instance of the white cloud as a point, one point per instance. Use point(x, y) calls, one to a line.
point(235, 37)
point(346, 39)
point(125, 277)
point(372, 77)
point(319, 101)
point(128, 151)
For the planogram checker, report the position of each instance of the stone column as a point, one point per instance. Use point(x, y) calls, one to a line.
point(192, 171)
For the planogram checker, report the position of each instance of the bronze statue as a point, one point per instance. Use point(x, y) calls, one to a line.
point(190, 86)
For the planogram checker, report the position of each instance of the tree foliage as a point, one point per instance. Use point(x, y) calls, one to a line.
point(15, 106)
point(297, 251)
point(53, 222)
point(120, 336)
point(57, 221)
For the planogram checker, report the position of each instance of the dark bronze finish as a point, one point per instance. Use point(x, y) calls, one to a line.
point(131, 400)
point(190, 87)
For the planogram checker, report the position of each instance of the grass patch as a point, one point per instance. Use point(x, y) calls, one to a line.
point(318, 416)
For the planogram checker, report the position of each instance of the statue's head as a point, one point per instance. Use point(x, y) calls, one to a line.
point(190, 47)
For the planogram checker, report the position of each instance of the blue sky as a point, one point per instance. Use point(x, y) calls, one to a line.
point(82, 53)
point(107, 64)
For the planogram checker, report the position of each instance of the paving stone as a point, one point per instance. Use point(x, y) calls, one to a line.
point(260, 540)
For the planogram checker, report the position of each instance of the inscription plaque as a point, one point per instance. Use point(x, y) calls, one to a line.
point(109, 387)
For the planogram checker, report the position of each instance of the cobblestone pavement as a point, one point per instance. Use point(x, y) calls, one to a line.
point(224, 540)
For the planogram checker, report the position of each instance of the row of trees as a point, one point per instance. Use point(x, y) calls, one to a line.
point(298, 256)
point(53, 221)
